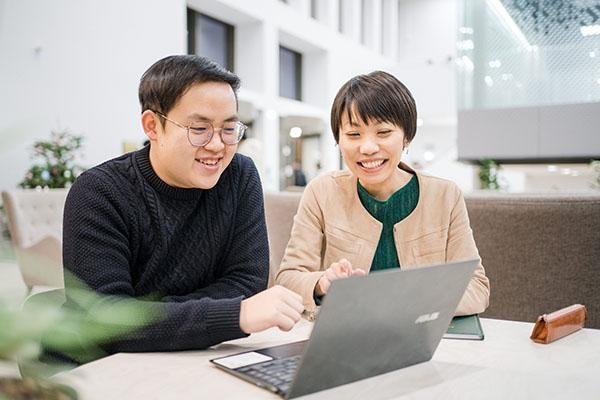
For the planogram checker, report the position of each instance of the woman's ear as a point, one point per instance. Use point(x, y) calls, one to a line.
point(405, 146)
point(150, 124)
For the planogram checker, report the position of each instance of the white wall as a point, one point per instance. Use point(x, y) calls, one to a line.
point(427, 48)
point(427, 31)
point(76, 65)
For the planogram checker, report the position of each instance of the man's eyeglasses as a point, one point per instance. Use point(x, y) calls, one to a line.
point(201, 133)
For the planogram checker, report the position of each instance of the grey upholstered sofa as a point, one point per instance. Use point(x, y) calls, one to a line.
point(541, 252)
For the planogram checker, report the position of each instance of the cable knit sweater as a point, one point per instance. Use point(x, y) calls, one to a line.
point(197, 253)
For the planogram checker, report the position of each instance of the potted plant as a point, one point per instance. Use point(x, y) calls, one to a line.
point(488, 174)
point(76, 331)
point(4, 234)
point(54, 167)
point(595, 165)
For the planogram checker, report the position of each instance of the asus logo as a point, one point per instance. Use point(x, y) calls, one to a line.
point(427, 318)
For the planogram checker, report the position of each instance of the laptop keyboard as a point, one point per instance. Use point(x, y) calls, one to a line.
point(279, 372)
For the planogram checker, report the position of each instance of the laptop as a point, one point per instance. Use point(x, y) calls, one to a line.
point(367, 326)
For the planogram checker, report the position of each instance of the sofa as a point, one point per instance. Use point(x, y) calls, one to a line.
point(540, 252)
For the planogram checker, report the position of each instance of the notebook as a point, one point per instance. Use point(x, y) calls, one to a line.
point(367, 326)
point(465, 327)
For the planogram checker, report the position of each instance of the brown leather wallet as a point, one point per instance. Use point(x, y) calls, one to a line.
point(553, 326)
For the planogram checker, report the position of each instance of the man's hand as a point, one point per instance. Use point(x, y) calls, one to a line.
point(276, 306)
point(337, 270)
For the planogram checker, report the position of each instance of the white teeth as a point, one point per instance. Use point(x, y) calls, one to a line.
point(209, 162)
point(372, 164)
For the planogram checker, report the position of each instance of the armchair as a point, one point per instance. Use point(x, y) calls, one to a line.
point(35, 225)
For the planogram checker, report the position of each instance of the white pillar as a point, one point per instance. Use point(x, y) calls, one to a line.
point(390, 28)
point(328, 13)
point(268, 125)
point(351, 18)
point(315, 78)
point(248, 60)
point(302, 6)
point(372, 24)
point(330, 155)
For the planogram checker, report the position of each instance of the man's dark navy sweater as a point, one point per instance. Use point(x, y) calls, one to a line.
point(198, 252)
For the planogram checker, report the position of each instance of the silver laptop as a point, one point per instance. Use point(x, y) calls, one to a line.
point(367, 326)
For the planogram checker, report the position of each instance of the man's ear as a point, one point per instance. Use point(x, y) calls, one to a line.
point(150, 124)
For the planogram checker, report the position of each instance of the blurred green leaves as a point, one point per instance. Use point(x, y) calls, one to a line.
point(595, 165)
point(488, 174)
point(77, 331)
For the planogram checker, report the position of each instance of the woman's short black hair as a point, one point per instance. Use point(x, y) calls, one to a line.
point(378, 96)
point(167, 80)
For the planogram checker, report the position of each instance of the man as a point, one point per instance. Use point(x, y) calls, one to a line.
point(299, 176)
point(180, 221)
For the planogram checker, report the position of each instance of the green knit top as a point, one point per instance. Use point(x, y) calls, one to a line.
point(389, 212)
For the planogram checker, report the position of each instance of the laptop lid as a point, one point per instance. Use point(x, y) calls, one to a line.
point(375, 324)
point(379, 323)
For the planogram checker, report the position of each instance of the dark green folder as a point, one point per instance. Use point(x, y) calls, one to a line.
point(465, 327)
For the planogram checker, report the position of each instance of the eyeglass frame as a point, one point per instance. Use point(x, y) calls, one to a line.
point(242, 126)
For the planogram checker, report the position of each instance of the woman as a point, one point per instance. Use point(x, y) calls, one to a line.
point(380, 213)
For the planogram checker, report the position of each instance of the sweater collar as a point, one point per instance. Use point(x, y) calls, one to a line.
point(142, 159)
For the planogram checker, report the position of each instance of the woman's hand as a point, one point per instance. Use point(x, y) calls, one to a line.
point(337, 270)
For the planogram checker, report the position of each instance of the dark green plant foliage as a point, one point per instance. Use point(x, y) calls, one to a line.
point(54, 167)
point(4, 234)
point(595, 164)
point(488, 174)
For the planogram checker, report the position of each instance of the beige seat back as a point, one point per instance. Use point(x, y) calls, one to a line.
point(35, 224)
point(280, 209)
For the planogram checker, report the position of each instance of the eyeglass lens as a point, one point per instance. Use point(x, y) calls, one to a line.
point(201, 133)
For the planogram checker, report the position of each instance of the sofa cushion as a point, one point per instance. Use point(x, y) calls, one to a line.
point(280, 209)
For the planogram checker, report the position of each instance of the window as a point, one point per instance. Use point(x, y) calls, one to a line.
point(525, 55)
point(530, 72)
point(290, 73)
point(211, 38)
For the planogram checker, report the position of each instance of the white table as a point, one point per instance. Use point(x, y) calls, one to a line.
point(506, 365)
